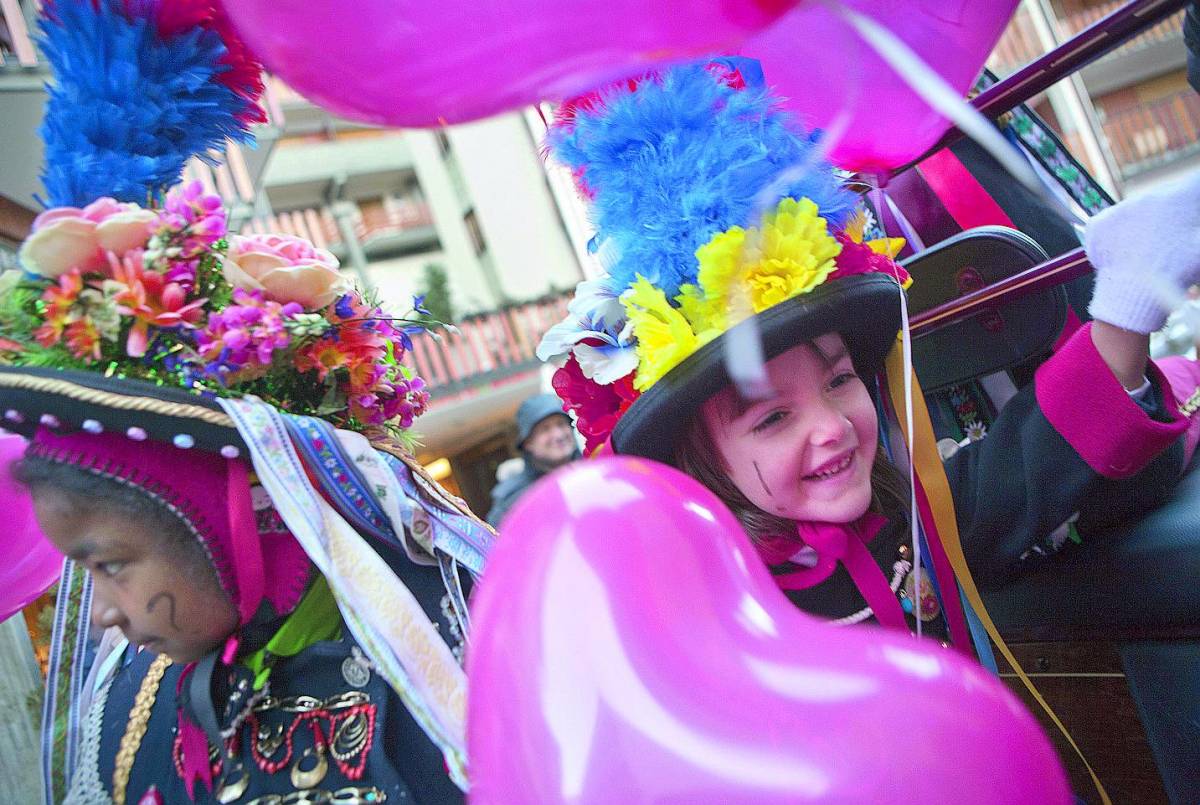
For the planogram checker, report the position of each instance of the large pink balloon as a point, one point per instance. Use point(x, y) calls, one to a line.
point(29, 563)
point(629, 646)
point(833, 79)
point(426, 62)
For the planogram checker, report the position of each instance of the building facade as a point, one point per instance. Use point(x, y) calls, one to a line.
point(1131, 116)
point(476, 204)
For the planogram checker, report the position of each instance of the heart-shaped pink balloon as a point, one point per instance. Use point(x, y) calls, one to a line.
point(29, 563)
point(630, 646)
point(431, 62)
point(828, 75)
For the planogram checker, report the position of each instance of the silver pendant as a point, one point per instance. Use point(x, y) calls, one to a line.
point(356, 672)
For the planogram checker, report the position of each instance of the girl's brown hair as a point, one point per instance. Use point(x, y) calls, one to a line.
point(697, 455)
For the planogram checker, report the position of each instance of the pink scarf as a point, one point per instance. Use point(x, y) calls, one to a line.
point(847, 543)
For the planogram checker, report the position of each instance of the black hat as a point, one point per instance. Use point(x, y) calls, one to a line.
point(712, 207)
point(67, 401)
point(533, 411)
point(864, 309)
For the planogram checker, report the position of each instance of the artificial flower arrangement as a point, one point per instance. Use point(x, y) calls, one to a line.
point(616, 345)
point(168, 294)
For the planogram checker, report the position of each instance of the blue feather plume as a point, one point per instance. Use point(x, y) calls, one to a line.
point(128, 108)
point(681, 158)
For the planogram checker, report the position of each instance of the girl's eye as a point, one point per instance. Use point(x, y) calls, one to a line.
point(770, 419)
point(110, 568)
point(842, 379)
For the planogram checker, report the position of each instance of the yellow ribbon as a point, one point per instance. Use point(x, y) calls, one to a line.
point(927, 465)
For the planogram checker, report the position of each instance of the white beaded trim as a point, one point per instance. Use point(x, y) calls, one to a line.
point(86, 787)
point(899, 571)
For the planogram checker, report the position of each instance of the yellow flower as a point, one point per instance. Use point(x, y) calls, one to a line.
point(720, 300)
point(791, 255)
point(664, 337)
point(857, 225)
point(705, 315)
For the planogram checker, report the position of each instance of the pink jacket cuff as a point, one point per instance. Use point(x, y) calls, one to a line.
point(1088, 406)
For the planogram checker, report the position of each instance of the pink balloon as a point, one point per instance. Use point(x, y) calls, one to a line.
point(834, 80)
point(29, 563)
point(630, 646)
point(429, 62)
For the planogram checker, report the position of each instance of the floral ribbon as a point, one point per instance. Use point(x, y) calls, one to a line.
point(384, 617)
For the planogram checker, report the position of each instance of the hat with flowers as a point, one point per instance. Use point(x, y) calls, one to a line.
point(130, 275)
point(167, 295)
point(715, 212)
point(240, 382)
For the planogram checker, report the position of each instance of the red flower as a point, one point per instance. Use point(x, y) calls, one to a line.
point(860, 258)
point(60, 298)
point(151, 301)
point(597, 408)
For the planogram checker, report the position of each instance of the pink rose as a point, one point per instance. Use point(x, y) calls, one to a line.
point(68, 237)
point(286, 268)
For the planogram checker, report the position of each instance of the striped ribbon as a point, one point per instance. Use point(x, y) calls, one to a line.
point(382, 614)
point(928, 467)
point(64, 681)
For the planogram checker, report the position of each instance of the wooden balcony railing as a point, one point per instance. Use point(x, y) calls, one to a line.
point(16, 44)
point(1156, 132)
point(487, 348)
point(378, 220)
point(1018, 46)
point(318, 225)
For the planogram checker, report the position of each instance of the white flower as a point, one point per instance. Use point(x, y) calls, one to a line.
point(595, 313)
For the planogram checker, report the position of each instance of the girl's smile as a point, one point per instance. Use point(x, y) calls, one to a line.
point(806, 451)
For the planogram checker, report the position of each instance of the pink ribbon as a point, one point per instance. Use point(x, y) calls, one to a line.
point(847, 543)
point(246, 547)
point(194, 745)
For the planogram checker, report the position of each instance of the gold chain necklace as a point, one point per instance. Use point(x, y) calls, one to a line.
point(135, 728)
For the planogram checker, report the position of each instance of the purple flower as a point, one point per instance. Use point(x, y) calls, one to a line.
point(245, 335)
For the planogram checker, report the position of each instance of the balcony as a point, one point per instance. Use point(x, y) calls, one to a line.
point(21, 99)
point(17, 51)
point(1153, 52)
point(1017, 47)
point(478, 377)
point(381, 226)
point(1155, 133)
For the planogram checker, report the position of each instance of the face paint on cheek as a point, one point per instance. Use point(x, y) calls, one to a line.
point(170, 597)
point(758, 471)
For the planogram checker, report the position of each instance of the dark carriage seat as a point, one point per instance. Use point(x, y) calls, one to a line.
point(1144, 576)
point(1134, 587)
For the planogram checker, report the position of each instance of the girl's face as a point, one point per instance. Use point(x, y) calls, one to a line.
point(156, 599)
point(805, 452)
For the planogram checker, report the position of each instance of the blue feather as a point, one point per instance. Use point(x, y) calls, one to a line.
point(128, 108)
point(684, 157)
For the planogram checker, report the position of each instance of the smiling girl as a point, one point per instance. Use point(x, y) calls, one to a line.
point(725, 234)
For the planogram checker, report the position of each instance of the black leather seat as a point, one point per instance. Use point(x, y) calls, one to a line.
point(1143, 576)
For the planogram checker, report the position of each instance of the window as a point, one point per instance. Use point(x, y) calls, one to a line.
point(475, 232)
point(443, 142)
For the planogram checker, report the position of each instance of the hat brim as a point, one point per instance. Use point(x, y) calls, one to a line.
point(864, 309)
point(116, 405)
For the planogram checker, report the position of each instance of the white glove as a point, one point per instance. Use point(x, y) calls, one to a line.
point(1146, 252)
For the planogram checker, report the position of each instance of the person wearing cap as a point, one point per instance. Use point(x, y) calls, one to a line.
point(546, 442)
point(746, 333)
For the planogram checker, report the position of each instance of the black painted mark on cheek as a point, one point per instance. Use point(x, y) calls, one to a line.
point(153, 602)
point(766, 488)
